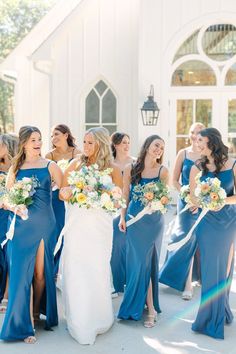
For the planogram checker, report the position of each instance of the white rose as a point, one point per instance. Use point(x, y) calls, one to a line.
point(104, 198)
point(106, 180)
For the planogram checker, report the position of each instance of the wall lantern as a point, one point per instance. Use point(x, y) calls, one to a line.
point(150, 111)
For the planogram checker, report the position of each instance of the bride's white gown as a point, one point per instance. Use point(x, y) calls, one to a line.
point(86, 284)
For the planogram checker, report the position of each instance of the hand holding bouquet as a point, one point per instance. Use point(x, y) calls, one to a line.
point(92, 188)
point(209, 193)
point(19, 197)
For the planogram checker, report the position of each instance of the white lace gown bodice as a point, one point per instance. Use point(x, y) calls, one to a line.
point(86, 288)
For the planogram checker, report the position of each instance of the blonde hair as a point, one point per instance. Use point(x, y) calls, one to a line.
point(195, 125)
point(103, 154)
point(11, 141)
point(24, 135)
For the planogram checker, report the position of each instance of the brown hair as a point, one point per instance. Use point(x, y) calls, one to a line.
point(219, 151)
point(116, 139)
point(64, 129)
point(138, 167)
point(24, 135)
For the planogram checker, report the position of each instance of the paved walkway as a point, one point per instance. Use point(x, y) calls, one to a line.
point(172, 335)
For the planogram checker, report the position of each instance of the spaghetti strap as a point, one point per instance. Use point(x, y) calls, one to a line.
point(185, 153)
point(233, 164)
point(159, 172)
point(73, 152)
point(48, 163)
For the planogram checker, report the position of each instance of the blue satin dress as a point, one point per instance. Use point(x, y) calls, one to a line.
point(176, 268)
point(3, 257)
point(143, 247)
point(22, 250)
point(59, 211)
point(215, 235)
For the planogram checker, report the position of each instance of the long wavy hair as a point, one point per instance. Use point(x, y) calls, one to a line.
point(219, 151)
point(11, 142)
point(64, 129)
point(24, 135)
point(116, 139)
point(138, 167)
point(103, 157)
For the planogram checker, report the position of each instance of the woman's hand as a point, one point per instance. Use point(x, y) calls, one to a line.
point(194, 209)
point(66, 193)
point(122, 225)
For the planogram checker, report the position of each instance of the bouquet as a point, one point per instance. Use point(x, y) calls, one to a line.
point(20, 195)
point(18, 198)
point(92, 188)
point(154, 195)
point(209, 193)
point(185, 193)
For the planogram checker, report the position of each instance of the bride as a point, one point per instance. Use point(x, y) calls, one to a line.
point(87, 250)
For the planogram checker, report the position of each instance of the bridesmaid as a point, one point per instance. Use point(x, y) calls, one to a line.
point(64, 148)
point(120, 146)
point(177, 271)
point(144, 237)
point(215, 236)
point(8, 149)
point(30, 252)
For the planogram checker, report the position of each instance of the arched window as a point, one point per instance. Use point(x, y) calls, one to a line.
point(100, 108)
point(207, 58)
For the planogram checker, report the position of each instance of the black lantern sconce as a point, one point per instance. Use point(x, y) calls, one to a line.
point(150, 111)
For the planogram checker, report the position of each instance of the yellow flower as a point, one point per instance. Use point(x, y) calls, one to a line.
point(80, 185)
point(81, 198)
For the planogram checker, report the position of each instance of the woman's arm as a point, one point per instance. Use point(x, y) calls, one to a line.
point(164, 175)
point(192, 183)
point(11, 177)
point(56, 173)
point(66, 192)
point(116, 176)
point(177, 170)
point(126, 192)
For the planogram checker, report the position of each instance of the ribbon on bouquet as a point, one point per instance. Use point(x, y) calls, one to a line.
point(144, 211)
point(59, 241)
point(11, 230)
point(175, 246)
point(172, 223)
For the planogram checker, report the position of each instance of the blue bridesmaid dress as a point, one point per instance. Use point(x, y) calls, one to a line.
point(215, 235)
point(59, 211)
point(118, 257)
point(22, 251)
point(176, 268)
point(143, 247)
point(3, 257)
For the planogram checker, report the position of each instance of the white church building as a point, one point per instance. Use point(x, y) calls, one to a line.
point(91, 63)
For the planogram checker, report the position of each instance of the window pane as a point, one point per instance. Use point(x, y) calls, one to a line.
point(101, 87)
point(204, 112)
point(232, 116)
point(92, 108)
point(184, 116)
point(181, 143)
point(194, 73)
point(109, 108)
point(111, 128)
point(188, 47)
point(87, 127)
point(230, 78)
point(219, 42)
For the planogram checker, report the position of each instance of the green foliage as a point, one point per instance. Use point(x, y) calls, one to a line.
point(17, 18)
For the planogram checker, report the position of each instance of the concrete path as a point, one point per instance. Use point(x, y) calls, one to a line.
point(172, 334)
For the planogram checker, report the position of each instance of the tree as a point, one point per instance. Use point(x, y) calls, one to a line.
point(17, 18)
